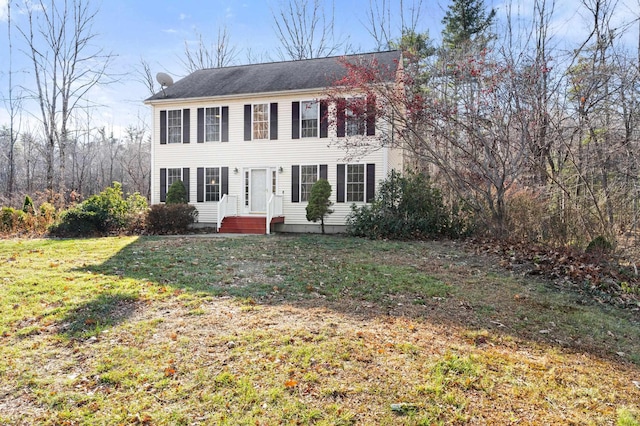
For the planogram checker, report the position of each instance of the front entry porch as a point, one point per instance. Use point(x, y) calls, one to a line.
point(248, 224)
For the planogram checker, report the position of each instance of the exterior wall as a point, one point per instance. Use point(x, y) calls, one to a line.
point(239, 155)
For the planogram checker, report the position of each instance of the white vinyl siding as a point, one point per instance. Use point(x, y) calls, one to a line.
point(240, 155)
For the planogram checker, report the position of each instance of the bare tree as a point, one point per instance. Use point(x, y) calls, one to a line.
point(219, 54)
point(145, 76)
point(380, 23)
point(13, 104)
point(305, 31)
point(66, 65)
point(136, 161)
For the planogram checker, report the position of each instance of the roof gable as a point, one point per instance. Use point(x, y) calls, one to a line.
point(270, 77)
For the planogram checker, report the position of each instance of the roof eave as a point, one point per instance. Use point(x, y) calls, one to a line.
point(234, 96)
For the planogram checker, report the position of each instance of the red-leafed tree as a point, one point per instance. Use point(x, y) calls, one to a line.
point(459, 119)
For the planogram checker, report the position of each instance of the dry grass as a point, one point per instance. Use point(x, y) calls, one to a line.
point(301, 330)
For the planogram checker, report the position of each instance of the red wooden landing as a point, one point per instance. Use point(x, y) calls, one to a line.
point(247, 224)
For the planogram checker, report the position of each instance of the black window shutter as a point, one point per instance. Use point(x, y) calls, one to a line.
point(324, 119)
point(371, 115)
point(273, 118)
point(340, 183)
point(371, 182)
point(200, 125)
point(323, 171)
point(225, 124)
point(340, 118)
point(185, 180)
point(247, 122)
point(163, 185)
point(163, 127)
point(295, 120)
point(295, 184)
point(200, 184)
point(186, 125)
point(224, 181)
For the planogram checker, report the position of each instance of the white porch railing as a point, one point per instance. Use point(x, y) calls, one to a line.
point(227, 206)
point(274, 208)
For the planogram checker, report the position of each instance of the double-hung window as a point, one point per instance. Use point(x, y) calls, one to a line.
point(309, 119)
point(261, 121)
point(174, 126)
point(308, 176)
point(355, 117)
point(212, 124)
point(212, 184)
point(355, 182)
point(173, 175)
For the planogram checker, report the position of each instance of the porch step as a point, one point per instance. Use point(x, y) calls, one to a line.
point(246, 224)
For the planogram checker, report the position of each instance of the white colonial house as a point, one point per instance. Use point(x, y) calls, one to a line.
point(249, 142)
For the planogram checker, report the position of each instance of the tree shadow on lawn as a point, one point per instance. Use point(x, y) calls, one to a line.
point(94, 316)
point(429, 281)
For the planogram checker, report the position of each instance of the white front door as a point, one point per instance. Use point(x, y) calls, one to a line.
point(258, 198)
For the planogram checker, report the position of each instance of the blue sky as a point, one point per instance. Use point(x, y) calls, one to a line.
point(157, 31)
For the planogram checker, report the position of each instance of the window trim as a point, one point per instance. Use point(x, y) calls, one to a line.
point(165, 184)
point(219, 123)
point(268, 121)
point(317, 118)
point(347, 183)
point(185, 126)
point(360, 120)
point(169, 182)
point(366, 119)
point(218, 184)
point(342, 182)
point(300, 183)
point(169, 127)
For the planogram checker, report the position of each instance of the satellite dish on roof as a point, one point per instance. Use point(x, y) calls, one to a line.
point(164, 79)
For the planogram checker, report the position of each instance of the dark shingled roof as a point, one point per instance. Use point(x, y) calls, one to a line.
point(271, 77)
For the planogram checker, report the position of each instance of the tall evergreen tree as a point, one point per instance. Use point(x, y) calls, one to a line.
point(466, 21)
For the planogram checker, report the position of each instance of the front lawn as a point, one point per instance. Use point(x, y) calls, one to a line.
point(266, 330)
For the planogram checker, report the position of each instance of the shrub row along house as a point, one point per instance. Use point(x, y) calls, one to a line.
point(249, 141)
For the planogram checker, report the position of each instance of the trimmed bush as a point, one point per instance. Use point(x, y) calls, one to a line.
point(406, 207)
point(177, 193)
point(77, 222)
point(170, 218)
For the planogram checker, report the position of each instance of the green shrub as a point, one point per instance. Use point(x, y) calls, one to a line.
point(599, 245)
point(170, 218)
point(103, 213)
point(47, 211)
point(406, 207)
point(27, 205)
point(177, 193)
point(76, 222)
point(11, 220)
point(319, 203)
